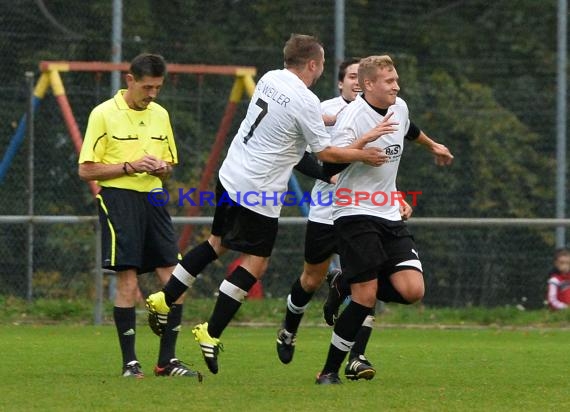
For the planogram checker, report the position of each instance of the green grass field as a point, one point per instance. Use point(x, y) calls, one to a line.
point(76, 368)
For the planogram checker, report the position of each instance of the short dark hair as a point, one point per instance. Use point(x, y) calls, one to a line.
point(300, 48)
point(344, 65)
point(148, 64)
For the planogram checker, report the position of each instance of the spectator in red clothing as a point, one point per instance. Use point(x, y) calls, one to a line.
point(558, 295)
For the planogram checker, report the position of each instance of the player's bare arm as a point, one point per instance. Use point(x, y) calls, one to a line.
point(443, 156)
point(372, 156)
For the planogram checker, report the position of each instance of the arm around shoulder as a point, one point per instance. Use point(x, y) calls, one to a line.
point(372, 156)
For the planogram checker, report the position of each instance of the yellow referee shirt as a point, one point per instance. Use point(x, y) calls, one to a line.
point(117, 134)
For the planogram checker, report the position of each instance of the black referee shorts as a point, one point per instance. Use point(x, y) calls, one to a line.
point(371, 247)
point(320, 242)
point(135, 234)
point(242, 229)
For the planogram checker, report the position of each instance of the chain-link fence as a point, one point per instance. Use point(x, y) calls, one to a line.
point(479, 76)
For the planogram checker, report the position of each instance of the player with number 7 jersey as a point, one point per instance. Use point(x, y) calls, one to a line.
point(282, 119)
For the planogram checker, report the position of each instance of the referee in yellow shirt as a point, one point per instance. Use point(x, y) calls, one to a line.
point(129, 150)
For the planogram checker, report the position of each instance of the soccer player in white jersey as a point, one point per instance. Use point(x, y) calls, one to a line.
point(378, 254)
point(320, 242)
point(282, 119)
point(320, 245)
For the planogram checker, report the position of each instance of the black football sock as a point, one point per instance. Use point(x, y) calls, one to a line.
point(173, 289)
point(194, 263)
point(345, 330)
point(297, 302)
point(198, 258)
point(168, 339)
point(233, 291)
point(363, 335)
point(125, 322)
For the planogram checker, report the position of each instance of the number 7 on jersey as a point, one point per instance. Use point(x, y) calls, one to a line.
point(264, 106)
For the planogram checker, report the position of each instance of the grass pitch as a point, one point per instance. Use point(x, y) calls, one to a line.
point(77, 368)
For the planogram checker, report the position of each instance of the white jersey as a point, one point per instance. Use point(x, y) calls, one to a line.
point(283, 117)
point(363, 189)
point(322, 193)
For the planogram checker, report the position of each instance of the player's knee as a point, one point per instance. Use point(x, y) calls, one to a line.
point(127, 292)
point(364, 299)
point(311, 280)
point(414, 293)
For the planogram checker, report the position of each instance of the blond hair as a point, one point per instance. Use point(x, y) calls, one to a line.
point(368, 67)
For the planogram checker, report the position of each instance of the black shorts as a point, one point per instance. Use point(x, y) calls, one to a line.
point(371, 247)
point(320, 242)
point(242, 229)
point(135, 234)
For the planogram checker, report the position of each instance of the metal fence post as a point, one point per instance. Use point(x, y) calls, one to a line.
point(30, 135)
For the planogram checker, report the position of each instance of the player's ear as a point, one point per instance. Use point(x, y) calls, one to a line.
point(312, 65)
point(129, 78)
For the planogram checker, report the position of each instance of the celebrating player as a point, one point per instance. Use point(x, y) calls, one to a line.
point(378, 254)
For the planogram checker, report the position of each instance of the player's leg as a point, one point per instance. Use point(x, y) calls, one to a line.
point(362, 254)
point(254, 235)
point(168, 364)
point(232, 293)
point(193, 262)
point(346, 328)
point(401, 279)
point(320, 244)
point(301, 293)
point(338, 291)
point(358, 366)
point(408, 286)
point(182, 277)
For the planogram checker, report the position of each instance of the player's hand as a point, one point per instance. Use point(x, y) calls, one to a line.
point(373, 156)
point(329, 119)
point(405, 210)
point(386, 126)
point(442, 155)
